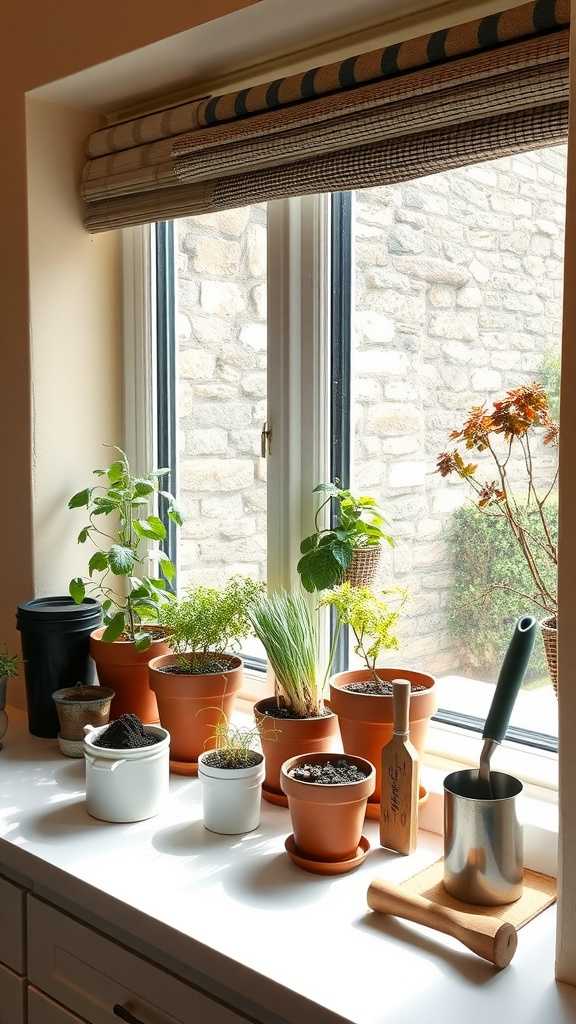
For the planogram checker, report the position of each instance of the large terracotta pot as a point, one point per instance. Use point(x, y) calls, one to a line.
point(124, 669)
point(191, 706)
point(282, 738)
point(367, 721)
point(327, 820)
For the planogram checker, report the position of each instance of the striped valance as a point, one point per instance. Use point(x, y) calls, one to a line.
point(382, 110)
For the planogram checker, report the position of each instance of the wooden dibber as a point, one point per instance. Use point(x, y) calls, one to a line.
point(488, 937)
point(400, 779)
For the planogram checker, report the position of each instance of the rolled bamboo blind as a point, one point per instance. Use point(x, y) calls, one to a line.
point(474, 92)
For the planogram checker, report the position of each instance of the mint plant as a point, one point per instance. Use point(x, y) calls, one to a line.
point(121, 523)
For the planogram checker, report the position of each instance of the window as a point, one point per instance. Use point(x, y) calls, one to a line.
point(391, 311)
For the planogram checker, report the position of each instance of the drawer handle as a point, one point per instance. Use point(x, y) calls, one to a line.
point(124, 1014)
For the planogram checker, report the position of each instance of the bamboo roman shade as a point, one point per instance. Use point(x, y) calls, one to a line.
point(474, 92)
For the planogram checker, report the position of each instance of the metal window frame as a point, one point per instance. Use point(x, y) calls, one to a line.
point(340, 404)
point(166, 359)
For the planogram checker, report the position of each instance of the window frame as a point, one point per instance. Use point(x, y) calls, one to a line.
point(310, 303)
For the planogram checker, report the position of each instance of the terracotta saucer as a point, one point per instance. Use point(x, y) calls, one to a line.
point(274, 798)
point(184, 767)
point(324, 867)
point(373, 810)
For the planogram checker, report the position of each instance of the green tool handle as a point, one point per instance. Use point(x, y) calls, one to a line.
point(510, 679)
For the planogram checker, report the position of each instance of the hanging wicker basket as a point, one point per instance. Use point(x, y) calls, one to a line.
point(550, 636)
point(364, 565)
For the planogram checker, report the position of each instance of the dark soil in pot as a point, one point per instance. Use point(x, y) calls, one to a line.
point(280, 711)
point(380, 689)
point(329, 773)
point(126, 733)
point(203, 667)
point(226, 760)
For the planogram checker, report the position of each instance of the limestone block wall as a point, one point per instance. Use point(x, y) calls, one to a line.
point(457, 281)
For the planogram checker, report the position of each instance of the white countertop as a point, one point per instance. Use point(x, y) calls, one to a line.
point(235, 914)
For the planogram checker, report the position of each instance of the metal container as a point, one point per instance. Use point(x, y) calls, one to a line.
point(483, 848)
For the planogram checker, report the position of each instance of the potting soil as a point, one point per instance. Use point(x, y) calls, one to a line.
point(126, 733)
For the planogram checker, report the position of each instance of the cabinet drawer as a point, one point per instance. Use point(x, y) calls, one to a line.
point(104, 983)
point(12, 997)
point(42, 1010)
point(12, 927)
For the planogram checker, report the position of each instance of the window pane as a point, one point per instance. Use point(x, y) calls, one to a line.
point(221, 337)
point(458, 297)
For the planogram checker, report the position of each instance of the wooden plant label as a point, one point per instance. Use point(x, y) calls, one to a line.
point(400, 779)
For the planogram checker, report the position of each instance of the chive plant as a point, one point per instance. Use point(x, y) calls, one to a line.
point(287, 628)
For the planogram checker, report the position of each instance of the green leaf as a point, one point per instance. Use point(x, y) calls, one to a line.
point(138, 592)
point(114, 629)
point(83, 535)
point(104, 507)
point(77, 590)
point(309, 543)
point(343, 554)
point(142, 641)
point(164, 471)
point(106, 605)
point(326, 489)
point(121, 560)
point(167, 569)
point(156, 583)
point(152, 527)
point(98, 562)
point(81, 499)
point(142, 487)
point(116, 471)
point(99, 472)
point(175, 515)
point(146, 609)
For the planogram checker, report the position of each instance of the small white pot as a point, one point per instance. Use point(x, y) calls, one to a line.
point(231, 797)
point(126, 785)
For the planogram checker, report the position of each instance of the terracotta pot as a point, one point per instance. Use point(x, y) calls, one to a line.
point(78, 706)
point(282, 738)
point(367, 721)
point(191, 706)
point(549, 627)
point(125, 670)
point(327, 820)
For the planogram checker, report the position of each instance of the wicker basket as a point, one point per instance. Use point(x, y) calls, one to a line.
point(364, 565)
point(550, 636)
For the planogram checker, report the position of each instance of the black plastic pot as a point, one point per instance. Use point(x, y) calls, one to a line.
point(55, 634)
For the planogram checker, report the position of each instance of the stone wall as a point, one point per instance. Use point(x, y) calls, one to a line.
point(458, 281)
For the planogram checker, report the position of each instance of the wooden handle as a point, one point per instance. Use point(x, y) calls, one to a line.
point(401, 698)
point(489, 937)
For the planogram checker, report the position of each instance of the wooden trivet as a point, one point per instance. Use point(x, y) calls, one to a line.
point(539, 893)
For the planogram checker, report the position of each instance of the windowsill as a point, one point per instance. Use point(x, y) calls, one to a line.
point(206, 907)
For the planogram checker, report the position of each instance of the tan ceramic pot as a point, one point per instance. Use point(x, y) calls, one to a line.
point(125, 670)
point(327, 820)
point(282, 738)
point(78, 706)
point(367, 721)
point(191, 706)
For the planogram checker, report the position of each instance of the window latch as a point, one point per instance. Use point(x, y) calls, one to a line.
point(265, 440)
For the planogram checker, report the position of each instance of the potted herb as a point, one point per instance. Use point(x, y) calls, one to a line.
point(8, 669)
point(199, 680)
point(121, 526)
point(327, 796)
point(350, 549)
point(295, 720)
point(362, 697)
point(231, 773)
point(510, 427)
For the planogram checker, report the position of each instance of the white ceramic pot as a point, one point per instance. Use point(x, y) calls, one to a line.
point(126, 785)
point(231, 797)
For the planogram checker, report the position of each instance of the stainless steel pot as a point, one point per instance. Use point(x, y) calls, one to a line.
point(483, 847)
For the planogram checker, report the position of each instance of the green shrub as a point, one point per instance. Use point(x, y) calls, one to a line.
point(480, 615)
